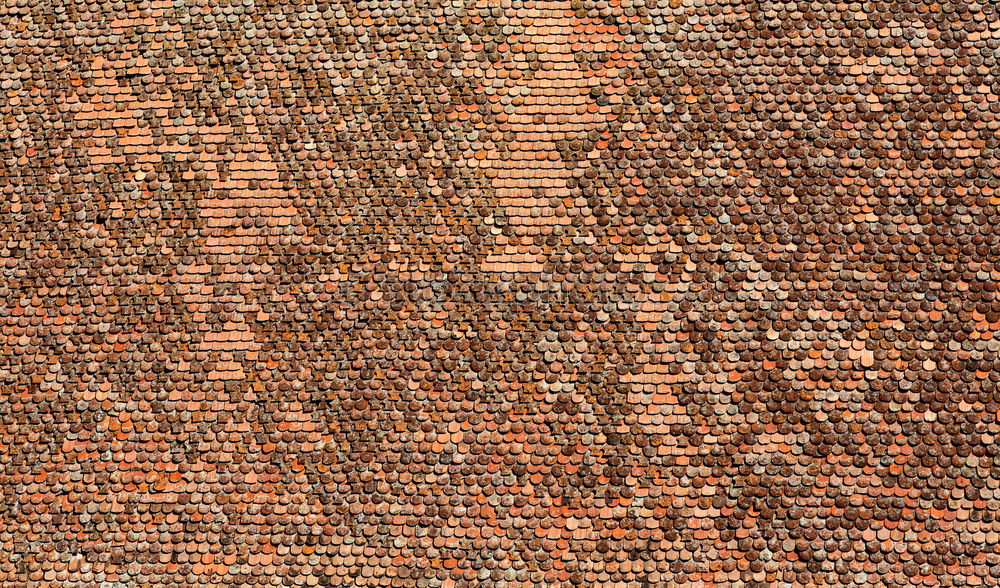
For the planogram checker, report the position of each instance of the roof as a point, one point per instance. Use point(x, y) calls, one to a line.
point(517, 293)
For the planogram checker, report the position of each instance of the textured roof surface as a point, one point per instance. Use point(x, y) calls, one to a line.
point(517, 293)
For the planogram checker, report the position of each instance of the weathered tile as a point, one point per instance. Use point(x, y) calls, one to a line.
point(517, 293)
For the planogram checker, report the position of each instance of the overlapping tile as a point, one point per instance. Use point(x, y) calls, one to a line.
point(528, 293)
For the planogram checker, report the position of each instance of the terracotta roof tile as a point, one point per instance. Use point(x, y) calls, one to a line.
point(516, 293)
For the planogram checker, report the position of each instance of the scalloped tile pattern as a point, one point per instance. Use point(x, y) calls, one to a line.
point(613, 293)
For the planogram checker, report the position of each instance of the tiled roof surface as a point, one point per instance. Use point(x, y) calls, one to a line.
point(517, 293)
